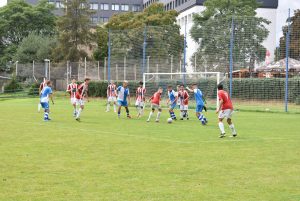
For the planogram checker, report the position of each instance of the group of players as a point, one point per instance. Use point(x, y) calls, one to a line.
point(120, 97)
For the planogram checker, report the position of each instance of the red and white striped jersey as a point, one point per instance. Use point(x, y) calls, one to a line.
point(111, 90)
point(82, 91)
point(42, 85)
point(140, 94)
point(72, 88)
point(183, 96)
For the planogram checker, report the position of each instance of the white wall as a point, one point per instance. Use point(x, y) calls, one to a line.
point(269, 43)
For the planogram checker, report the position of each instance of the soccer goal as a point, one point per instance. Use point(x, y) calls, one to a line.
point(207, 82)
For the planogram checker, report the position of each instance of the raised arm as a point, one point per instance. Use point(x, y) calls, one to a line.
point(190, 90)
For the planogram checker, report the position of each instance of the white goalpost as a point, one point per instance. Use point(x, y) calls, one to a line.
point(206, 81)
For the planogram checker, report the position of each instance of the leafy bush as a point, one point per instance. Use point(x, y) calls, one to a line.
point(34, 89)
point(13, 86)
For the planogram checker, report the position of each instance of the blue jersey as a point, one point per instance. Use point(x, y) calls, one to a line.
point(172, 96)
point(45, 94)
point(198, 97)
point(122, 93)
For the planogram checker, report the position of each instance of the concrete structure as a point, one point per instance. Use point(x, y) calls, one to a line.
point(104, 9)
point(187, 8)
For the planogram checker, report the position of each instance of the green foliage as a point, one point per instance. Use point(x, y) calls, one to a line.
point(18, 19)
point(34, 89)
point(212, 31)
point(74, 31)
point(13, 86)
point(128, 30)
point(294, 47)
point(35, 47)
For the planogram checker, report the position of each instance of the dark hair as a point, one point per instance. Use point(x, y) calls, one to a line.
point(220, 87)
point(141, 83)
point(169, 86)
point(87, 79)
point(182, 85)
point(48, 82)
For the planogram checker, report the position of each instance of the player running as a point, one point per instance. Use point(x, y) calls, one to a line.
point(183, 96)
point(42, 85)
point(140, 99)
point(123, 97)
point(225, 110)
point(199, 103)
point(81, 96)
point(72, 89)
point(155, 104)
point(111, 96)
point(46, 93)
point(172, 101)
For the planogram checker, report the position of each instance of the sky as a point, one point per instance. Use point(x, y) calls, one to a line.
point(282, 12)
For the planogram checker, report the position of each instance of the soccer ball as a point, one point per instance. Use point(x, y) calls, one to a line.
point(169, 120)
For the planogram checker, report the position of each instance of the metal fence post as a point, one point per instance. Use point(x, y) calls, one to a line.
point(144, 50)
point(231, 56)
point(287, 62)
point(184, 50)
point(68, 72)
point(109, 54)
point(17, 68)
point(135, 72)
point(98, 65)
point(104, 70)
point(85, 67)
point(117, 73)
point(171, 67)
point(124, 68)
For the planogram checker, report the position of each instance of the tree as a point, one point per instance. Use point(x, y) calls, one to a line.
point(128, 30)
point(35, 47)
point(74, 31)
point(212, 31)
point(294, 45)
point(18, 19)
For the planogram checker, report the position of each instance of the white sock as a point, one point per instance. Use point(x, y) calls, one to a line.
point(141, 111)
point(39, 107)
point(150, 115)
point(181, 114)
point(115, 107)
point(221, 126)
point(78, 114)
point(232, 129)
point(107, 106)
point(158, 115)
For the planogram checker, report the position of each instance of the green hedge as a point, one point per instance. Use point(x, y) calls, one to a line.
point(245, 89)
point(13, 86)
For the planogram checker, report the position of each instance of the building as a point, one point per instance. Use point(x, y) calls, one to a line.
point(104, 9)
point(187, 8)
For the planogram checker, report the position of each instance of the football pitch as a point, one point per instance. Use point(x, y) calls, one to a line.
point(106, 158)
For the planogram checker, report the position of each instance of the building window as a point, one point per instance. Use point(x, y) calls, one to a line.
point(104, 6)
point(104, 19)
point(59, 4)
point(94, 20)
point(94, 6)
point(115, 7)
point(136, 8)
point(124, 7)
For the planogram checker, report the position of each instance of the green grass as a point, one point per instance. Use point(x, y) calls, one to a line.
point(103, 158)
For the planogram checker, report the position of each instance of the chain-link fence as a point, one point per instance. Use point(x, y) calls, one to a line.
point(259, 75)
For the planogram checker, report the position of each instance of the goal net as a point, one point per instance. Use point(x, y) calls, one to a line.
point(207, 82)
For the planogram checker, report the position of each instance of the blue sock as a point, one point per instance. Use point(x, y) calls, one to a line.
point(46, 115)
point(172, 114)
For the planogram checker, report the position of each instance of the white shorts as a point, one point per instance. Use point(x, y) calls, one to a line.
point(112, 99)
point(155, 106)
point(184, 107)
point(80, 102)
point(73, 101)
point(225, 114)
point(139, 103)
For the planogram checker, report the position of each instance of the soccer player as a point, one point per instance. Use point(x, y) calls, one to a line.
point(42, 85)
point(172, 101)
point(123, 97)
point(199, 103)
point(81, 96)
point(111, 96)
point(72, 89)
point(155, 104)
point(225, 110)
point(140, 99)
point(176, 94)
point(183, 96)
point(46, 93)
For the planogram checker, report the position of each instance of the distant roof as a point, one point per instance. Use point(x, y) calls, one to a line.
point(265, 3)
